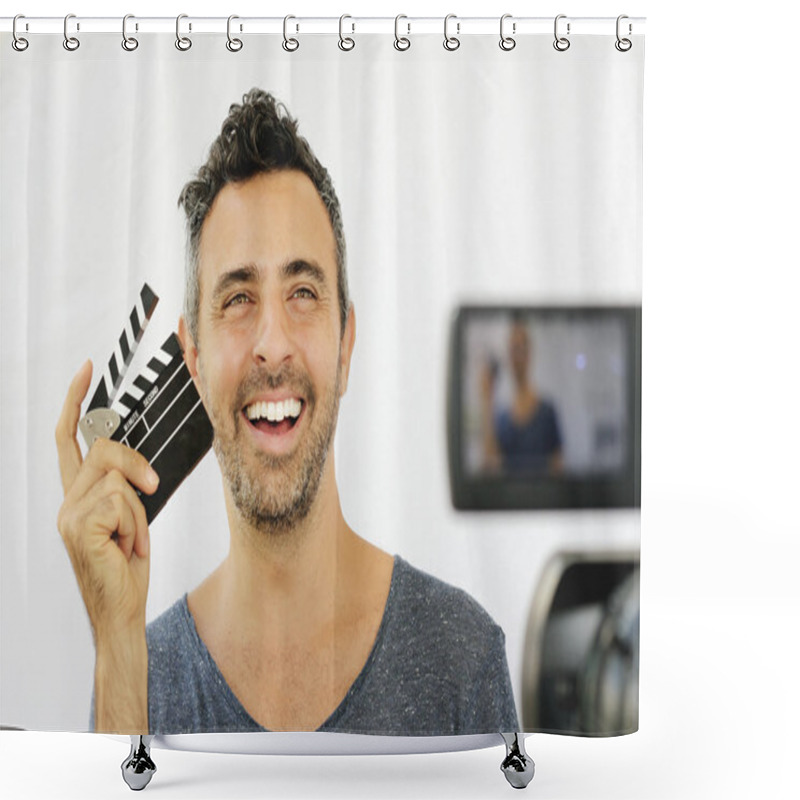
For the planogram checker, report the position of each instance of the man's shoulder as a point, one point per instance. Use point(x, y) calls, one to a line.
point(184, 692)
point(171, 645)
point(168, 624)
point(443, 658)
point(428, 608)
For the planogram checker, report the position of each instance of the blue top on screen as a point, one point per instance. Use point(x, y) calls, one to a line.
point(528, 447)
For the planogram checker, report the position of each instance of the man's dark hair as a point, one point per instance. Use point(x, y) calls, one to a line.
point(257, 136)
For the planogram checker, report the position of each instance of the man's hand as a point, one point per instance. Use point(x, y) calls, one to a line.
point(104, 527)
point(492, 460)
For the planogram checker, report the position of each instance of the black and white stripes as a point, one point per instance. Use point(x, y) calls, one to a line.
point(129, 339)
point(145, 381)
point(168, 425)
point(159, 414)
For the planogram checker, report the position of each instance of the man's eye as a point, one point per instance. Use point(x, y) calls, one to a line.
point(303, 293)
point(237, 300)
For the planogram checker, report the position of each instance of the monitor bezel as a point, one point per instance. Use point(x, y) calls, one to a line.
point(470, 492)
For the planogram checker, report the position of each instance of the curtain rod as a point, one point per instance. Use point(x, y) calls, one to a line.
point(327, 25)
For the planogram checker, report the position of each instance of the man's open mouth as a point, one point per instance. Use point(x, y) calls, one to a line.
point(274, 417)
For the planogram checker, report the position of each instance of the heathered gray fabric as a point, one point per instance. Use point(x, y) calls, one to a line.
point(438, 667)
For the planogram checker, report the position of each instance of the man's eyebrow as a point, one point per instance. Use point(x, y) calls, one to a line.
point(299, 267)
point(247, 273)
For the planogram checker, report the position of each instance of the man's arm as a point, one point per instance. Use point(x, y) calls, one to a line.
point(556, 459)
point(491, 449)
point(555, 464)
point(120, 685)
point(104, 527)
point(493, 707)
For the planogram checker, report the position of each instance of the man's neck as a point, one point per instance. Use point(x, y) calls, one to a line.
point(281, 576)
point(275, 583)
point(297, 618)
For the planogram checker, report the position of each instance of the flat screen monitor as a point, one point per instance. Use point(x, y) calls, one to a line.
point(544, 407)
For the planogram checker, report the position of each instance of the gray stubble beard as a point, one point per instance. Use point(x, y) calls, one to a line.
point(276, 508)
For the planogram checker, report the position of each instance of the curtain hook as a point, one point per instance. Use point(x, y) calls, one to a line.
point(233, 44)
point(129, 43)
point(623, 45)
point(561, 43)
point(70, 42)
point(18, 42)
point(507, 42)
point(451, 42)
point(183, 43)
point(401, 42)
point(346, 42)
point(289, 44)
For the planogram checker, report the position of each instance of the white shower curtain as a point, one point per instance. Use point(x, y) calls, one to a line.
point(474, 176)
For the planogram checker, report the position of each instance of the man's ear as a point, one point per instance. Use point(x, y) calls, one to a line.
point(348, 342)
point(188, 347)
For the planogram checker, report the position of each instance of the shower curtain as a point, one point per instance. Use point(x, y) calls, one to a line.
point(481, 187)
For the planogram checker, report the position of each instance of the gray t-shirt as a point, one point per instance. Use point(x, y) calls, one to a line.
point(437, 667)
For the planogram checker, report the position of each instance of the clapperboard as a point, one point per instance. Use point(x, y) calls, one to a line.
point(159, 414)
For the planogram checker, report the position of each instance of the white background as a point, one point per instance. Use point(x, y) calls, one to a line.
point(720, 605)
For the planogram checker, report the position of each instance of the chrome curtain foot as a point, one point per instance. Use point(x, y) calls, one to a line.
point(138, 767)
point(517, 766)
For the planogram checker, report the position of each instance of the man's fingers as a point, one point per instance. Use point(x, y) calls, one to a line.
point(105, 456)
point(141, 545)
point(127, 529)
point(135, 535)
point(69, 452)
point(118, 511)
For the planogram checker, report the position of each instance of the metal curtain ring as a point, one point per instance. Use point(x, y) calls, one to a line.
point(401, 42)
point(70, 42)
point(289, 44)
point(561, 43)
point(451, 42)
point(346, 42)
point(623, 45)
point(181, 42)
point(233, 44)
point(507, 42)
point(19, 43)
point(128, 42)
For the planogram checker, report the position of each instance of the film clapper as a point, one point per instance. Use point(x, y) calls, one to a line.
point(159, 413)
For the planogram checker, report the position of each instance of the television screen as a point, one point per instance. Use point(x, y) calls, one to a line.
point(544, 407)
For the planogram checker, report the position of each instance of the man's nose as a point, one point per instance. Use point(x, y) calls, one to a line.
point(273, 343)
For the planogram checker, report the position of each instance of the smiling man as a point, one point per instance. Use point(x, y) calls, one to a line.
point(305, 625)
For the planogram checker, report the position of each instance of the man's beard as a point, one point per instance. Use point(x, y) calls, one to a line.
point(275, 492)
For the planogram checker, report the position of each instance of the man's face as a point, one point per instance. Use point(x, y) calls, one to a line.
point(270, 362)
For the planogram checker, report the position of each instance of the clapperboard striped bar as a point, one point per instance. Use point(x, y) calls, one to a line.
point(168, 426)
point(159, 414)
point(129, 339)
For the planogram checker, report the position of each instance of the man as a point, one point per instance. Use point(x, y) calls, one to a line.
point(526, 437)
point(304, 625)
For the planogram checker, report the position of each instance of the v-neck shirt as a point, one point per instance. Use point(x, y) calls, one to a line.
point(437, 667)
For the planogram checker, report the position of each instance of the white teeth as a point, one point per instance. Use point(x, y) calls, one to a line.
point(274, 412)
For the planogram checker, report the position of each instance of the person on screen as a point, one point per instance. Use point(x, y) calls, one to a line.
point(304, 625)
point(526, 436)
